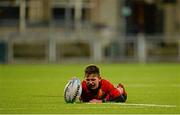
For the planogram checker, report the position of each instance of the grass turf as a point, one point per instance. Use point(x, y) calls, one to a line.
point(39, 88)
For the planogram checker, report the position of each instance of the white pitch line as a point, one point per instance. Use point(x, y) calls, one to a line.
point(147, 105)
point(154, 85)
point(139, 104)
point(1, 109)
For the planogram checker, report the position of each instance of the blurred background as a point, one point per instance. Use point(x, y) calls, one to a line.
point(75, 31)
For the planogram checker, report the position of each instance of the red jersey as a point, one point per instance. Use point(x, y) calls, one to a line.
point(106, 91)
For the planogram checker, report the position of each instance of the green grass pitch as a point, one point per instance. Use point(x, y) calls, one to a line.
point(152, 88)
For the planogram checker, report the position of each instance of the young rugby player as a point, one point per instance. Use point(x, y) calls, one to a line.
point(98, 90)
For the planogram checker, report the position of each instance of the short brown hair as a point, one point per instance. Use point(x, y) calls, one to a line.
point(92, 69)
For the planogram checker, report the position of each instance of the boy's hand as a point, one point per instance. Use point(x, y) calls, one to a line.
point(95, 101)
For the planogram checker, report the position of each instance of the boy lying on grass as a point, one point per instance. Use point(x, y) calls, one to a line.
point(98, 90)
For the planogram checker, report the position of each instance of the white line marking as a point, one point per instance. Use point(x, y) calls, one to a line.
point(139, 104)
point(154, 85)
point(147, 105)
point(1, 109)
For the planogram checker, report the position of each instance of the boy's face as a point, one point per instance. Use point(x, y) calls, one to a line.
point(92, 81)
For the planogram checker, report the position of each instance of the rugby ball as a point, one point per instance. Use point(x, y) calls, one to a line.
point(72, 90)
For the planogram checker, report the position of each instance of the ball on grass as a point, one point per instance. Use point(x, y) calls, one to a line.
point(72, 90)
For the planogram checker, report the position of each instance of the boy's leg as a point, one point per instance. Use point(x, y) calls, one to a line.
point(121, 89)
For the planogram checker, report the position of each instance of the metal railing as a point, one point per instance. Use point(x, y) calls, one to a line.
point(53, 47)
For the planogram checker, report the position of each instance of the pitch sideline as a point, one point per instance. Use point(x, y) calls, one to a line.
point(139, 104)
